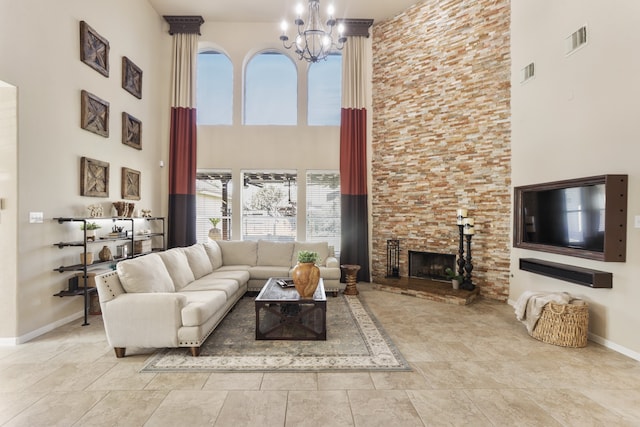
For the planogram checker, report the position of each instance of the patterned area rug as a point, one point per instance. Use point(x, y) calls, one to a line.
point(355, 342)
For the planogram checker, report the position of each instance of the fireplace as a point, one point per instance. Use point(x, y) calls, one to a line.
point(430, 265)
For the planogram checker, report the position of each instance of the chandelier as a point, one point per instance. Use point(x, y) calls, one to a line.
point(314, 40)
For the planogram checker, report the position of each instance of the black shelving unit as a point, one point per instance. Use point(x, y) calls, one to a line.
point(85, 291)
point(129, 236)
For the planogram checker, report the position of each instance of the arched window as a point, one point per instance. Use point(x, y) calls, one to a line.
point(271, 90)
point(325, 92)
point(214, 97)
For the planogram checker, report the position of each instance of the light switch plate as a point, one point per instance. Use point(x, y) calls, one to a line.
point(36, 217)
point(637, 221)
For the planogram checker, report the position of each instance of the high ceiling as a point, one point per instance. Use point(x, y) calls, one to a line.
point(276, 10)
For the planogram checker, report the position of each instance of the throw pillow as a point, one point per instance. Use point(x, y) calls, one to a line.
point(214, 253)
point(198, 260)
point(274, 253)
point(176, 263)
point(145, 274)
point(238, 252)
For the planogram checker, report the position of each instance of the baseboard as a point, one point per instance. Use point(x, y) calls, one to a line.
point(603, 342)
point(615, 347)
point(40, 331)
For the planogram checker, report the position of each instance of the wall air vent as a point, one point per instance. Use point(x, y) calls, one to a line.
point(576, 40)
point(527, 72)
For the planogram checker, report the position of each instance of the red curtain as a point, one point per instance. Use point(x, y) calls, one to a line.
point(353, 186)
point(182, 177)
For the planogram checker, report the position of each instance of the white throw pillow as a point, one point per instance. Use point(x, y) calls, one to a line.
point(274, 253)
point(145, 274)
point(238, 252)
point(198, 260)
point(176, 262)
point(322, 248)
point(214, 253)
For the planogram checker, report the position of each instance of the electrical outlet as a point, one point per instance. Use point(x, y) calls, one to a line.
point(36, 217)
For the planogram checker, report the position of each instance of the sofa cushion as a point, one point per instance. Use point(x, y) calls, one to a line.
point(201, 306)
point(237, 252)
point(240, 276)
point(214, 253)
point(198, 260)
point(322, 248)
point(208, 283)
point(178, 267)
point(145, 274)
point(274, 253)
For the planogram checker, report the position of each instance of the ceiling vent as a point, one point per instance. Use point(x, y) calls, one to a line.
point(576, 40)
point(527, 72)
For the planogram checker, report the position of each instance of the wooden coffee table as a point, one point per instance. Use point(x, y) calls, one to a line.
point(282, 315)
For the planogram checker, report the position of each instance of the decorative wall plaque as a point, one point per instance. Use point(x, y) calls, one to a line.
point(131, 131)
point(130, 184)
point(131, 78)
point(94, 114)
point(94, 178)
point(94, 49)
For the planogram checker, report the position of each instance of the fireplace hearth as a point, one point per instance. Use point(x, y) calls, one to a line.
point(430, 265)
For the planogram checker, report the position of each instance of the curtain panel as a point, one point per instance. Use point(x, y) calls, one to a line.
point(353, 160)
point(183, 142)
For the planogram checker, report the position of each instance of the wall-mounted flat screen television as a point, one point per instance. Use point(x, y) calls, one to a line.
point(583, 217)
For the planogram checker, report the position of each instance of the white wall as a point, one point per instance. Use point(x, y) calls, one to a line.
point(579, 117)
point(8, 212)
point(238, 147)
point(39, 42)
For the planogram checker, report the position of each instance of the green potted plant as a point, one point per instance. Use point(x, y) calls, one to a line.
point(456, 279)
point(306, 274)
point(90, 228)
point(307, 256)
point(215, 233)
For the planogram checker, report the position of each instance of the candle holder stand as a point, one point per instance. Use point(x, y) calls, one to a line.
point(467, 284)
point(460, 260)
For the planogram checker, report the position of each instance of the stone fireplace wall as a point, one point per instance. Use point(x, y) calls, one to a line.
point(441, 134)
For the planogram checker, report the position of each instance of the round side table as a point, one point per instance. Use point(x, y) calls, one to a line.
point(350, 272)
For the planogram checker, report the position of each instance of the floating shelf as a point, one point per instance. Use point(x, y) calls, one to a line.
point(568, 273)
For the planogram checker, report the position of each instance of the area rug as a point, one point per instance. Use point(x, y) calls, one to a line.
point(355, 342)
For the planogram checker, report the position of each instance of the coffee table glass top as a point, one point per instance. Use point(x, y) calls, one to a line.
point(273, 292)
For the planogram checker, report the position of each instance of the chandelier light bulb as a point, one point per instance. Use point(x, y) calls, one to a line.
point(331, 10)
point(284, 26)
point(340, 29)
point(299, 9)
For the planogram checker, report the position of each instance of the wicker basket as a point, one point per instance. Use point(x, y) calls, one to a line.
point(563, 324)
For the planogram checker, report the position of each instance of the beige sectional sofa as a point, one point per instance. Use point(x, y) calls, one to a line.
point(176, 298)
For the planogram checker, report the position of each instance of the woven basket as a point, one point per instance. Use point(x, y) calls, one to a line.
point(563, 324)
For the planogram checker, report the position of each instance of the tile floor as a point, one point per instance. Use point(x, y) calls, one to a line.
point(473, 366)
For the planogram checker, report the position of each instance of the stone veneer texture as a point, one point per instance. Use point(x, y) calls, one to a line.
point(441, 134)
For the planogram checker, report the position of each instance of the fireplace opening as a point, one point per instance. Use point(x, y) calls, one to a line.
point(430, 265)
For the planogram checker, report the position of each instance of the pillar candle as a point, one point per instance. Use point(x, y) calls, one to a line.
point(468, 226)
point(461, 214)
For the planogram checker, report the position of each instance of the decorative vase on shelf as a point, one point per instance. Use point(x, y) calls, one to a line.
point(88, 260)
point(105, 254)
point(306, 274)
